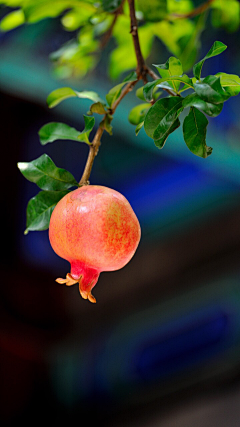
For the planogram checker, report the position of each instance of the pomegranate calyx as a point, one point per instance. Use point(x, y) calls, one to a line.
point(69, 281)
point(85, 293)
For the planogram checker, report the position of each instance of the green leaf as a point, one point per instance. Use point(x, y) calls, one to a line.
point(172, 67)
point(162, 119)
point(194, 100)
point(161, 141)
point(106, 123)
point(210, 90)
point(139, 93)
point(177, 80)
point(115, 92)
point(98, 108)
point(41, 9)
point(53, 131)
point(230, 82)
point(59, 95)
point(89, 123)
point(216, 49)
point(226, 14)
point(138, 113)
point(155, 93)
point(12, 20)
point(56, 131)
point(153, 10)
point(138, 128)
point(46, 174)
point(148, 89)
point(194, 133)
point(40, 208)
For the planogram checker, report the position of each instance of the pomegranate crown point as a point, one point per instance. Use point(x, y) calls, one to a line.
point(69, 281)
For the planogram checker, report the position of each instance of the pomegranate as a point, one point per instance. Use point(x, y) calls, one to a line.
point(96, 230)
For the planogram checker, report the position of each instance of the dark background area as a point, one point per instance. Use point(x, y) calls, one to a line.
point(162, 345)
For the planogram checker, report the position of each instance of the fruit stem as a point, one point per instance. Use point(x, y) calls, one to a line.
point(93, 150)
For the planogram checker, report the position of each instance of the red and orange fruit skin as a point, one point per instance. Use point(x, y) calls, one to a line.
point(95, 229)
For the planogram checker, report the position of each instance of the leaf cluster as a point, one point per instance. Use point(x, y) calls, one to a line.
point(160, 115)
point(55, 182)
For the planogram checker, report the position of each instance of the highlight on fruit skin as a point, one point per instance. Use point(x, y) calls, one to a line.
point(95, 229)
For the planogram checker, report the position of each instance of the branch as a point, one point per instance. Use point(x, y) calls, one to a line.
point(141, 67)
point(142, 71)
point(197, 11)
point(94, 147)
point(109, 32)
point(128, 88)
point(93, 150)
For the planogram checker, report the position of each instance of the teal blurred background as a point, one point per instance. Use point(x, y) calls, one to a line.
point(162, 345)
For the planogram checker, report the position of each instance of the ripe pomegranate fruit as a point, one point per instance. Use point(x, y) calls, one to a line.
point(95, 229)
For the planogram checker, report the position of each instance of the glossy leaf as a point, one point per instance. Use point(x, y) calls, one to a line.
point(57, 131)
point(148, 89)
point(216, 49)
point(162, 119)
point(194, 100)
point(40, 208)
point(176, 81)
point(54, 131)
point(161, 141)
point(138, 113)
point(138, 128)
point(46, 174)
point(115, 92)
point(210, 90)
point(172, 67)
point(230, 82)
point(59, 95)
point(194, 133)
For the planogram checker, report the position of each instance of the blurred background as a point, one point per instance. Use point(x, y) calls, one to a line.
point(162, 345)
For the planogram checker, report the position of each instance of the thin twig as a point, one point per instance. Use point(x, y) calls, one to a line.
point(128, 88)
point(152, 74)
point(94, 147)
point(109, 32)
point(197, 11)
